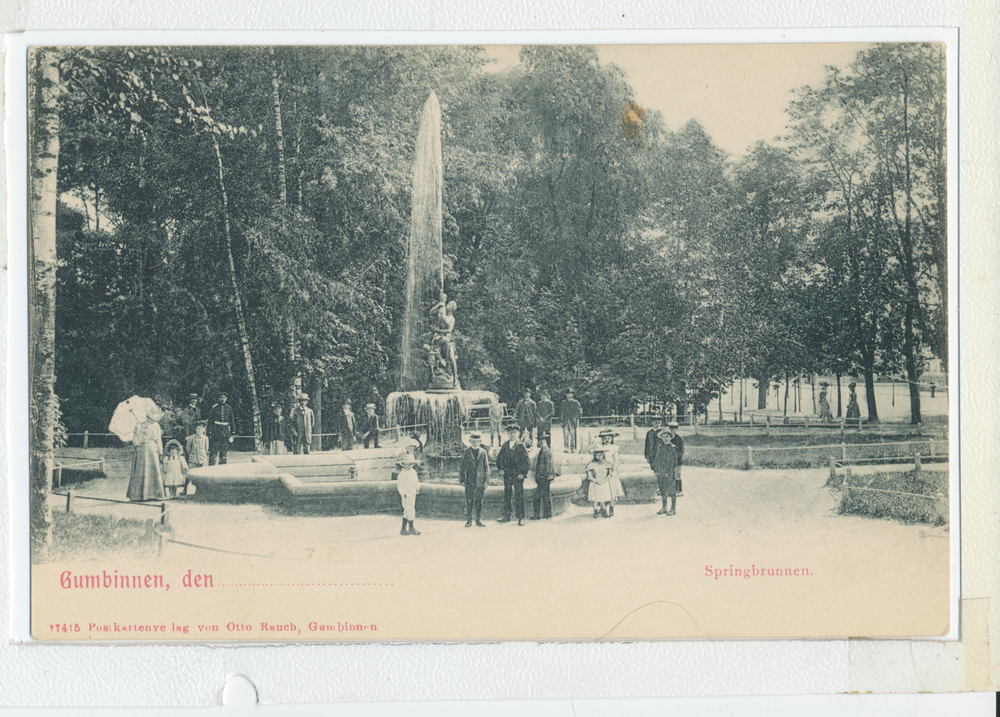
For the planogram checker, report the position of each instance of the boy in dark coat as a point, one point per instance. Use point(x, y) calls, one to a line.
point(543, 479)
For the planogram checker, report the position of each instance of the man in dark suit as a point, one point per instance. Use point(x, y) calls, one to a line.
point(545, 410)
point(544, 474)
point(513, 464)
point(652, 439)
point(474, 474)
point(368, 425)
point(570, 413)
point(678, 443)
point(190, 416)
point(221, 429)
point(526, 413)
point(346, 426)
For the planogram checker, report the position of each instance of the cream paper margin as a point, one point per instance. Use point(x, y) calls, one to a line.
point(136, 675)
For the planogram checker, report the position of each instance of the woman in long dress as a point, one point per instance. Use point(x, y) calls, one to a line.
point(146, 481)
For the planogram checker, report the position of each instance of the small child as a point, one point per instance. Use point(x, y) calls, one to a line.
point(197, 450)
point(408, 485)
point(174, 469)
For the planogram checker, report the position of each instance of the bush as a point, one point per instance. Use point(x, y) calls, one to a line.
point(908, 508)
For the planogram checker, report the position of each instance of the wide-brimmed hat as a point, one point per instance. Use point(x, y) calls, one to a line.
point(192, 396)
point(303, 396)
point(673, 424)
point(173, 443)
point(513, 429)
point(369, 405)
point(477, 436)
point(407, 461)
point(603, 450)
point(607, 432)
point(203, 424)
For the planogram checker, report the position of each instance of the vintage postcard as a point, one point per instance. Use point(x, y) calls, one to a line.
point(439, 343)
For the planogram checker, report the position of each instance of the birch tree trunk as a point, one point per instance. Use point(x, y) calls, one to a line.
point(238, 299)
point(43, 161)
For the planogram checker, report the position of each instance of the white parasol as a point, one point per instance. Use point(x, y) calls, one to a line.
point(129, 414)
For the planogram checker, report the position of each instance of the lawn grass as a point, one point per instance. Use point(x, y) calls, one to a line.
point(907, 508)
point(76, 536)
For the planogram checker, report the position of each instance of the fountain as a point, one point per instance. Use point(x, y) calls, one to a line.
point(431, 396)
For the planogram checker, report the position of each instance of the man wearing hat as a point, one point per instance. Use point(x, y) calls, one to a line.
point(190, 416)
point(220, 431)
point(368, 425)
point(408, 485)
point(513, 464)
point(346, 426)
point(302, 420)
point(570, 413)
point(526, 413)
point(474, 474)
point(542, 502)
point(546, 410)
point(664, 466)
point(652, 438)
point(678, 443)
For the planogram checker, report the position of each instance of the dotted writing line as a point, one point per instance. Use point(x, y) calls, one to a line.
point(246, 585)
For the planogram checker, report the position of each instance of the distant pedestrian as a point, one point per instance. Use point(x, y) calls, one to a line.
point(276, 432)
point(570, 413)
point(496, 422)
point(408, 485)
point(599, 482)
point(853, 409)
point(513, 464)
point(825, 414)
point(545, 410)
point(544, 474)
point(652, 439)
point(526, 414)
point(664, 466)
point(146, 479)
point(474, 474)
point(174, 469)
point(189, 417)
point(346, 426)
point(221, 430)
point(196, 448)
point(302, 421)
point(369, 426)
point(678, 443)
point(933, 389)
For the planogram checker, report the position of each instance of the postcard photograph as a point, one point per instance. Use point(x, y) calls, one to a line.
point(438, 343)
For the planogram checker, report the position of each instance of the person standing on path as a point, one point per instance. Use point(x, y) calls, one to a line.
point(408, 485)
point(526, 414)
point(599, 482)
point(196, 448)
point(652, 439)
point(513, 464)
point(664, 466)
point(189, 418)
point(678, 443)
point(546, 410)
point(146, 479)
point(542, 502)
point(221, 429)
point(570, 413)
point(368, 425)
point(346, 426)
point(303, 420)
point(474, 474)
point(496, 423)
point(275, 432)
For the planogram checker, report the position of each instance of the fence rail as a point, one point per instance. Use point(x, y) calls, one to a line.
point(154, 536)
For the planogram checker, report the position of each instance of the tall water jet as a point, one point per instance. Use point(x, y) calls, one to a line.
point(425, 268)
point(431, 395)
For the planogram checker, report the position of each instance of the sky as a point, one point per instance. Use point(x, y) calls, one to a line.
point(737, 92)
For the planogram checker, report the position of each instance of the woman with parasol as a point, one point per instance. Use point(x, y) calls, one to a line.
point(146, 480)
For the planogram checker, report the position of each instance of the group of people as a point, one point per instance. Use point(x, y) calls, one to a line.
point(294, 434)
point(536, 418)
point(664, 450)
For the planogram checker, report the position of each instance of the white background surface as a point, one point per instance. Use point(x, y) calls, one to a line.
point(39, 675)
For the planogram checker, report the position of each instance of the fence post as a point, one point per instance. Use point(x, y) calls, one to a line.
point(58, 474)
point(843, 451)
point(751, 420)
point(916, 462)
point(841, 426)
point(749, 456)
point(734, 417)
point(931, 444)
point(149, 532)
point(859, 424)
point(86, 438)
point(694, 425)
point(806, 419)
point(635, 431)
point(69, 501)
point(833, 468)
point(101, 463)
point(920, 427)
point(164, 516)
point(767, 425)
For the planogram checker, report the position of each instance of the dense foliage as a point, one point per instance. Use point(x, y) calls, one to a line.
point(237, 218)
